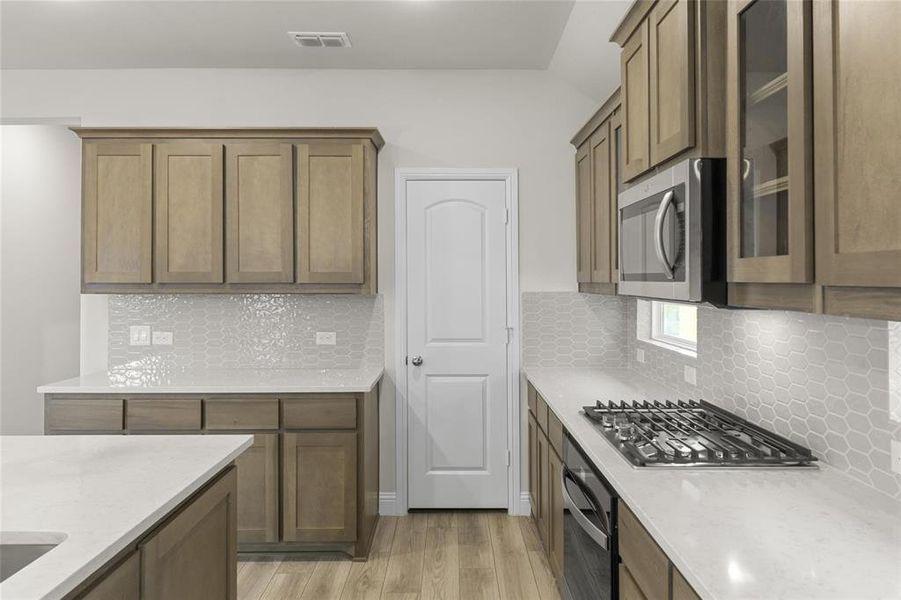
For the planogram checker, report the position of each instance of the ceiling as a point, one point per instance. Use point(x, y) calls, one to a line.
point(386, 34)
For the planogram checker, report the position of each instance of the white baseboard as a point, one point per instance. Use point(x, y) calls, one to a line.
point(387, 502)
point(525, 509)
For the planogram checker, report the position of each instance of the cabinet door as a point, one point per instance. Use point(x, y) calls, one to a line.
point(544, 490)
point(671, 72)
point(555, 516)
point(681, 589)
point(330, 213)
point(857, 75)
point(628, 589)
point(769, 162)
point(258, 490)
point(583, 213)
point(600, 204)
point(122, 582)
point(319, 487)
point(534, 477)
point(188, 204)
point(194, 555)
point(259, 213)
point(634, 63)
point(117, 213)
point(616, 180)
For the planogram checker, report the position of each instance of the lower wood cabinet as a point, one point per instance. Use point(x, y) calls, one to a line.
point(195, 554)
point(545, 437)
point(628, 589)
point(122, 582)
point(319, 496)
point(258, 490)
point(190, 553)
point(309, 481)
point(645, 570)
point(555, 513)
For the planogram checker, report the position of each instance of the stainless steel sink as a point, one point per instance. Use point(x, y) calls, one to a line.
point(20, 549)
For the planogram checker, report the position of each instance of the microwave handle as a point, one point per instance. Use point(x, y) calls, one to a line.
point(599, 537)
point(658, 234)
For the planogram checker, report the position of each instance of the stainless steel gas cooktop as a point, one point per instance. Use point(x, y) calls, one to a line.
point(692, 434)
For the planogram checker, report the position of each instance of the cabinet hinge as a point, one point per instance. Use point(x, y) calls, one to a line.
point(506, 215)
point(509, 335)
point(508, 458)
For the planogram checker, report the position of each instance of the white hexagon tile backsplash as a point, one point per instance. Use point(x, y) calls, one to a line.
point(830, 383)
point(215, 331)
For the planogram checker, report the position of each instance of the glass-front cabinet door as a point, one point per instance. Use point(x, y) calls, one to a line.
point(769, 136)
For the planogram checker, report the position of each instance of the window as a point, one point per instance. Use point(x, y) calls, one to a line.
point(669, 325)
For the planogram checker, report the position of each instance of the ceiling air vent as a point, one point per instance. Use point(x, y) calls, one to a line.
point(320, 39)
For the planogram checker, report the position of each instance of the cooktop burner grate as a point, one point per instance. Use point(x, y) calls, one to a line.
point(692, 434)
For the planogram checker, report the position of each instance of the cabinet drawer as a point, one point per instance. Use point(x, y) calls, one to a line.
point(647, 564)
point(163, 414)
point(241, 413)
point(320, 412)
point(555, 432)
point(541, 414)
point(83, 414)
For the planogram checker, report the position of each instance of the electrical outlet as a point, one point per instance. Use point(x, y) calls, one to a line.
point(162, 338)
point(326, 338)
point(691, 375)
point(896, 456)
point(639, 355)
point(139, 335)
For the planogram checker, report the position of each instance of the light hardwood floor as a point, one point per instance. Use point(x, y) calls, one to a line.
point(422, 556)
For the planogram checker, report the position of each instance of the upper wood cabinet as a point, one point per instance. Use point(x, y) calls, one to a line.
point(597, 171)
point(330, 207)
point(671, 74)
point(635, 83)
point(117, 210)
point(260, 212)
point(229, 211)
point(584, 213)
point(769, 142)
point(188, 207)
point(857, 75)
point(601, 198)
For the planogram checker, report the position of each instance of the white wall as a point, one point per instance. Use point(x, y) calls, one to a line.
point(518, 119)
point(39, 252)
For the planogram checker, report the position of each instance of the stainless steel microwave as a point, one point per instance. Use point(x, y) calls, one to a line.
point(672, 234)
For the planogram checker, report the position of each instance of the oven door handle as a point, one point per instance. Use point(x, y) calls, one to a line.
point(658, 234)
point(599, 537)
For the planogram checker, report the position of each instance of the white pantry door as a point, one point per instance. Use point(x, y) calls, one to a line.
point(456, 323)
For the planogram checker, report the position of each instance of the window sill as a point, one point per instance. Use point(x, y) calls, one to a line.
point(670, 347)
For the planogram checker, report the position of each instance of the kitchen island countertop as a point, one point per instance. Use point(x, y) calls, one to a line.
point(138, 378)
point(96, 495)
point(741, 533)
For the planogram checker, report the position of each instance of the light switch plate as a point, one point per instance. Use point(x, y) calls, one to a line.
point(896, 456)
point(162, 338)
point(326, 338)
point(639, 355)
point(691, 375)
point(139, 335)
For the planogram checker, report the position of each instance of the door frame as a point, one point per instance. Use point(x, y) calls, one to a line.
point(510, 178)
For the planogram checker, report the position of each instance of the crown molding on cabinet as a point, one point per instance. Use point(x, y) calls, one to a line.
point(339, 133)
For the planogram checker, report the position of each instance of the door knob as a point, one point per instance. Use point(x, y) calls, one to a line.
point(416, 360)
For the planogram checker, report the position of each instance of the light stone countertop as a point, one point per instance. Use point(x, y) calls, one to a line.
point(140, 379)
point(98, 494)
point(741, 533)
